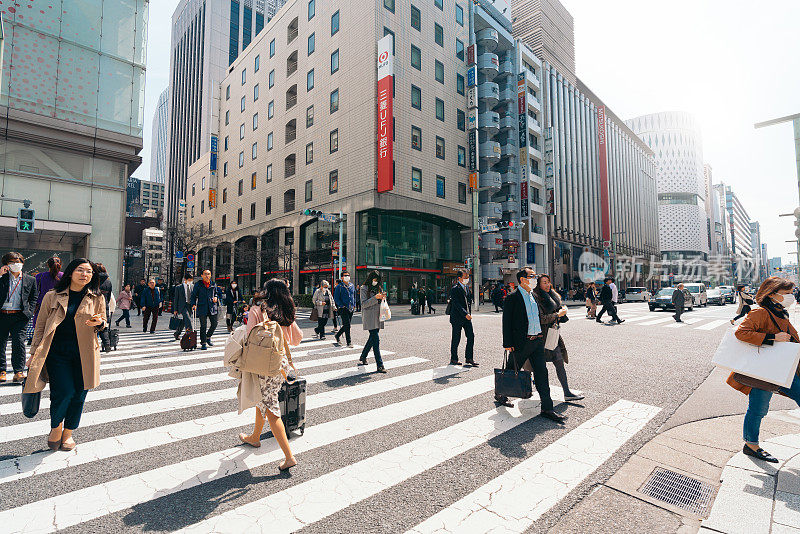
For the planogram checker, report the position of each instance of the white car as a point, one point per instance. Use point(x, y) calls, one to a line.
point(698, 291)
point(637, 294)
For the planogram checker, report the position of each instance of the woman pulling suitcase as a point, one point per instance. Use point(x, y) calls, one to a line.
point(274, 303)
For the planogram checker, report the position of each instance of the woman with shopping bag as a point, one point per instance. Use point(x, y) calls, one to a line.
point(766, 325)
point(322, 300)
point(373, 308)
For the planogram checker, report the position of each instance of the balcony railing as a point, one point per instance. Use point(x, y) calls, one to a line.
point(291, 100)
point(291, 67)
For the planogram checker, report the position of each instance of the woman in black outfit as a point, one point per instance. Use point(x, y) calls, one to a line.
point(233, 296)
point(745, 301)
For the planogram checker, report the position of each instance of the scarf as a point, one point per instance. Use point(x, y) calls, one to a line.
point(207, 284)
point(549, 302)
point(776, 309)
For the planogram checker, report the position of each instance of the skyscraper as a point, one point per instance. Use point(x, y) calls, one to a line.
point(548, 29)
point(158, 152)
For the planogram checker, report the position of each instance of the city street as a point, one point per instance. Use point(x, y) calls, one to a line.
point(420, 449)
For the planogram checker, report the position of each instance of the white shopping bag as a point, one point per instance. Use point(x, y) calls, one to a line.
point(776, 364)
point(385, 313)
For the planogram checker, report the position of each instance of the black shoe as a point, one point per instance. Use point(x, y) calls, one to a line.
point(471, 363)
point(572, 397)
point(203, 347)
point(598, 321)
point(337, 341)
point(553, 416)
point(760, 454)
point(210, 344)
point(620, 321)
point(381, 370)
point(503, 401)
point(177, 336)
point(362, 361)
point(456, 362)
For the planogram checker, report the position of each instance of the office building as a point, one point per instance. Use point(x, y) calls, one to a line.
point(72, 115)
point(207, 36)
point(547, 28)
point(759, 268)
point(740, 245)
point(775, 264)
point(144, 198)
point(300, 129)
point(153, 252)
point(160, 140)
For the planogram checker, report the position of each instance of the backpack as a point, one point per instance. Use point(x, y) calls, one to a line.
point(264, 349)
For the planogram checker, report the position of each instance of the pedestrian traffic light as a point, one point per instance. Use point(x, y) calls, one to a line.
point(26, 217)
point(313, 213)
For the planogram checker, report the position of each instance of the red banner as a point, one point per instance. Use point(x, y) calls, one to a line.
point(605, 207)
point(385, 115)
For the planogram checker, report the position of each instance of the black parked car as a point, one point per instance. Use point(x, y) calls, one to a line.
point(663, 300)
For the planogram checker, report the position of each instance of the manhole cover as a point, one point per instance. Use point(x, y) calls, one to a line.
point(679, 490)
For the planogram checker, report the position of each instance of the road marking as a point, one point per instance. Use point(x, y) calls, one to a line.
point(713, 324)
point(640, 318)
point(98, 417)
point(79, 506)
point(657, 321)
point(545, 478)
point(173, 348)
point(686, 321)
point(45, 462)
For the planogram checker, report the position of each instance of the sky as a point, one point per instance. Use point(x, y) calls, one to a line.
point(731, 63)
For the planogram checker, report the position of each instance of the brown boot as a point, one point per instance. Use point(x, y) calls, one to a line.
point(3, 376)
point(18, 377)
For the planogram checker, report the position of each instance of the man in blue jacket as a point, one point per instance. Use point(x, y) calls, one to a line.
point(205, 303)
point(152, 303)
point(344, 296)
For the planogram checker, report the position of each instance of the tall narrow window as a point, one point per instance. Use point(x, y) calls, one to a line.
point(335, 23)
point(439, 4)
point(257, 64)
point(333, 182)
point(459, 15)
point(389, 4)
point(272, 48)
point(255, 122)
point(416, 57)
point(439, 71)
point(440, 109)
point(225, 144)
point(252, 211)
point(241, 159)
point(438, 34)
point(269, 141)
point(416, 179)
point(312, 43)
point(241, 187)
point(440, 186)
point(416, 138)
point(239, 216)
point(310, 116)
point(334, 140)
point(334, 101)
point(288, 201)
point(253, 181)
point(228, 92)
point(244, 76)
point(460, 49)
point(269, 173)
point(461, 120)
point(309, 190)
point(241, 132)
point(243, 102)
point(255, 92)
point(335, 61)
point(460, 84)
point(416, 18)
point(268, 209)
point(224, 221)
point(439, 147)
point(310, 80)
point(270, 109)
point(254, 151)
point(462, 193)
point(309, 153)
point(312, 9)
point(462, 156)
point(271, 78)
point(227, 117)
point(416, 97)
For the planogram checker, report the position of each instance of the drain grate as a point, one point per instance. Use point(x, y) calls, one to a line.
point(679, 490)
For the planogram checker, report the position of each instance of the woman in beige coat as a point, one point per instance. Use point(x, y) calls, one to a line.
point(65, 351)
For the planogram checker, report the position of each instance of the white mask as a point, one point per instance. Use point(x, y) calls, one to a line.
point(788, 300)
point(233, 286)
point(15, 267)
point(346, 279)
point(374, 283)
point(465, 281)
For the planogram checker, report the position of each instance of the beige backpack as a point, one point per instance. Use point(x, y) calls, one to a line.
point(264, 349)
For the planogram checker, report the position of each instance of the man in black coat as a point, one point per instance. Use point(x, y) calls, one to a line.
point(181, 295)
point(607, 298)
point(461, 318)
point(678, 300)
point(18, 294)
point(523, 337)
point(137, 295)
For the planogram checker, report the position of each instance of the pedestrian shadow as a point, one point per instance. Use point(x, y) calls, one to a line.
point(510, 443)
point(350, 380)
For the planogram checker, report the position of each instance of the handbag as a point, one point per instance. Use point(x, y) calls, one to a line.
point(385, 313)
point(551, 341)
point(30, 402)
point(512, 382)
point(175, 322)
point(314, 314)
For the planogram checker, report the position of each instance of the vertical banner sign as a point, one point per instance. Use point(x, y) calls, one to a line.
point(212, 198)
point(549, 172)
point(473, 180)
point(472, 76)
point(523, 199)
point(473, 147)
point(605, 209)
point(531, 253)
point(522, 111)
point(471, 54)
point(385, 114)
point(212, 167)
point(213, 161)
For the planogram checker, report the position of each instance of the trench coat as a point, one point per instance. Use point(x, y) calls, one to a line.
point(52, 311)
point(318, 299)
point(755, 328)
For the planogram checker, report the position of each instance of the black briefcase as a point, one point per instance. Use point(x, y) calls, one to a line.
point(175, 321)
point(512, 382)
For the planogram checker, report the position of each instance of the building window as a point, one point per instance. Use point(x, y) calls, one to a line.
point(460, 84)
point(252, 211)
point(440, 109)
point(462, 193)
point(241, 159)
point(416, 58)
point(310, 116)
point(459, 49)
point(225, 169)
point(244, 76)
point(192, 212)
point(439, 72)
point(334, 140)
point(334, 101)
point(228, 92)
point(416, 138)
point(224, 221)
point(241, 187)
point(254, 150)
point(309, 190)
point(416, 97)
point(269, 173)
point(270, 109)
point(289, 166)
point(192, 189)
point(335, 61)
point(255, 122)
point(312, 9)
point(333, 182)
point(335, 23)
point(268, 208)
point(312, 44)
point(255, 93)
point(225, 195)
point(243, 102)
point(225, 143)
point(439, 147)
point(309, 153)
point(459, 15)
point(440, 186)
point(269, 141)
point(439, 4)
point(461, 120)
point(227, 117)
point(257, 63)
point(239, 216)
point(241, 131)
point(416, 179)
point(310, 80)
point(389, 4)
point(438, 34)
point(416, 18)
point(272, 48)
point(462, 156)
point(271, 78)
point(202, 206)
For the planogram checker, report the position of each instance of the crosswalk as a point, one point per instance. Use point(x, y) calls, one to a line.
point(157, 448)
point(693, 320)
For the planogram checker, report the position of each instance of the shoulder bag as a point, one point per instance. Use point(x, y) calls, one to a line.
point(30, 402)
point(512, 382)
point(551, 340)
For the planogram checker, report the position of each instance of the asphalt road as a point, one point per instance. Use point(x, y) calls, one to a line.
point(119, 481)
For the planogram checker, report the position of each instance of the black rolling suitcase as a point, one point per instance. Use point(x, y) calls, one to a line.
point(292, 400)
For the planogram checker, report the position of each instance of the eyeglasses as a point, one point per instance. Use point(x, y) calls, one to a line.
point(84, 271)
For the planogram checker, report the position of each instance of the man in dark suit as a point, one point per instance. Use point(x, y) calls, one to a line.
point(678, 300)
point(524, 339)
point(205, 302)
point(461, 318)
point(181, 295)
point(18, 294)
point(607, 298)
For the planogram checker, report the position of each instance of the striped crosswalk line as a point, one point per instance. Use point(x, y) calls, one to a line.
point(713, 324)
point(657, 321)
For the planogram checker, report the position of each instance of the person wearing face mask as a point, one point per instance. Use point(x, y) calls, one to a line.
point(233, 296)
point(18, 295)
point(371, 296)
point(766, 325)
point(345, 298)
point(461, 318)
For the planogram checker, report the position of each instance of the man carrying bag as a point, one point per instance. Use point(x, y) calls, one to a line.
point(523, 339)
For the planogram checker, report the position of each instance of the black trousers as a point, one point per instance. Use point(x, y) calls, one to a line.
point(533, 351)
point(66, 388)
point(678, 312)
point(13, 324)
point(455, 340)
point(745, 311)
point(611, 308)
point(206, 333)
point(346, 316)
point(187, 322)
point(150, 312)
